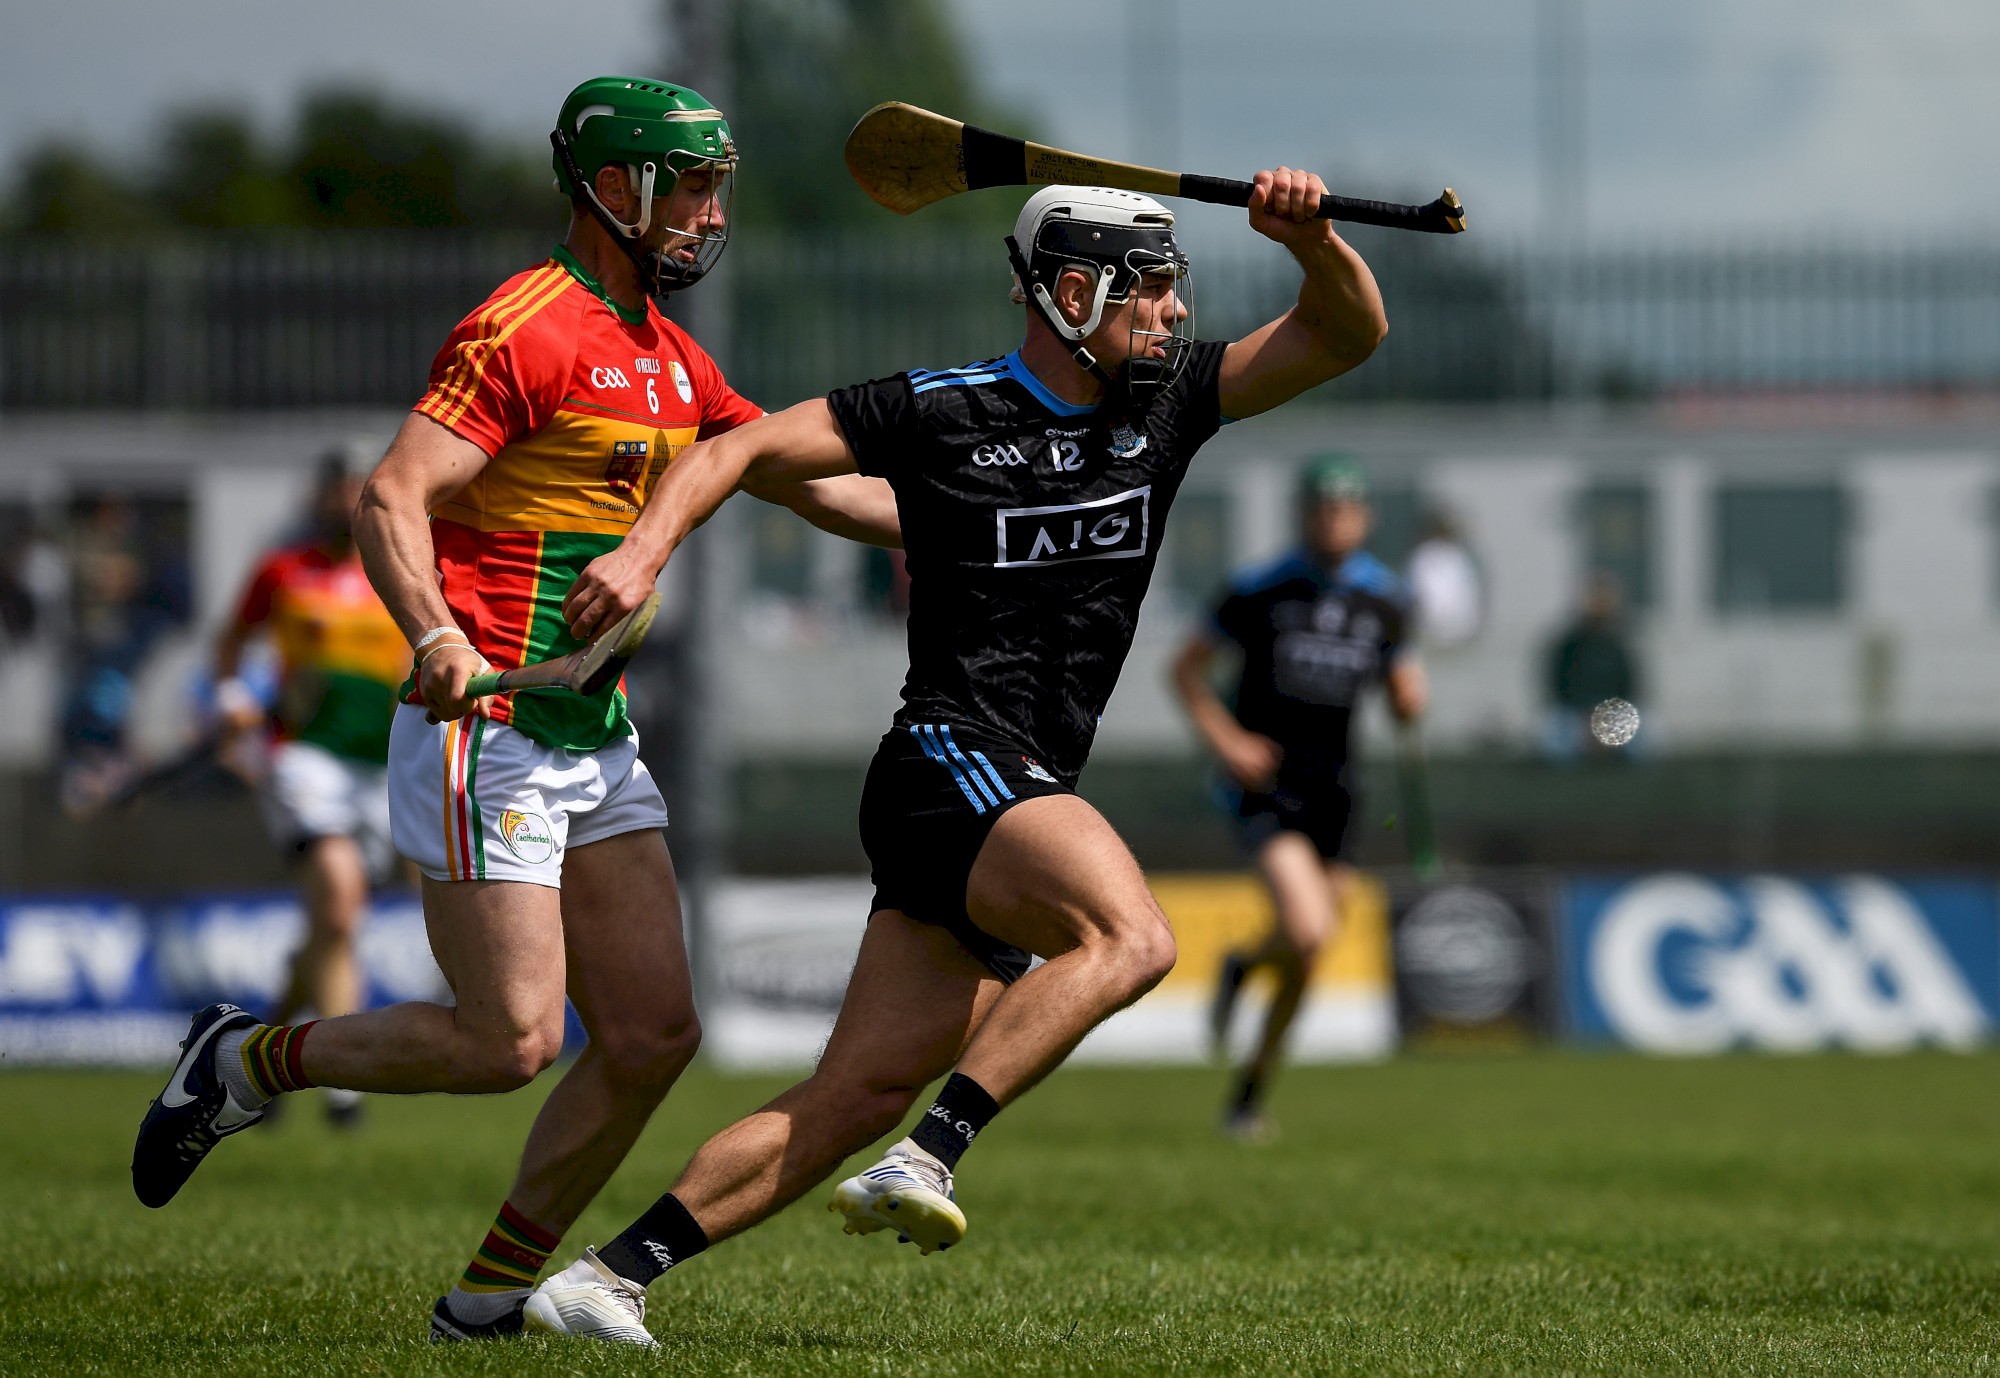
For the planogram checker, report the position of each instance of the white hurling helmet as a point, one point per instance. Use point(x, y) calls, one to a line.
point(1117, 236)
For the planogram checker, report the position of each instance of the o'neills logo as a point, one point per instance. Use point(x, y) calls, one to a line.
point(527, 836)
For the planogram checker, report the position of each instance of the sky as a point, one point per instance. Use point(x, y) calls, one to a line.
point(1783, 121)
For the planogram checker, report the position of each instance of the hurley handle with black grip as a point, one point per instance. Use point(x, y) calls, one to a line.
point(1442, 216)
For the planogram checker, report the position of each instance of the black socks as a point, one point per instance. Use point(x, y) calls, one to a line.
point(948, 1128)
point(665, 1235)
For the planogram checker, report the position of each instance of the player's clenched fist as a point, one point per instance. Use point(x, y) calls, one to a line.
point(1284, 206)
point(610, 586)
point(442, 679)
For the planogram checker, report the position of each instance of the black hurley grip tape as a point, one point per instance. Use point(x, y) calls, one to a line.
point(1216, 191)
point(1225, 191)
point(1396, 217)
point(993, 160)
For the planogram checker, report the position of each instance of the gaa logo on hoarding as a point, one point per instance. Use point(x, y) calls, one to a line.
point(1688, 964)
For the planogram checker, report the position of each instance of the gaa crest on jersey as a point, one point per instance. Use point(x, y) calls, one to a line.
point(1113, 528)
point(682, 383)
point(625, 471)
point(1126, 442)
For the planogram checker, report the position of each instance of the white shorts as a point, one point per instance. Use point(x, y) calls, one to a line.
point(476, 800)
point(311, 793)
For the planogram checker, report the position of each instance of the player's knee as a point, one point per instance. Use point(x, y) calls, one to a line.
point(650, 1055)
point(509, 1060)
point(1147, 953)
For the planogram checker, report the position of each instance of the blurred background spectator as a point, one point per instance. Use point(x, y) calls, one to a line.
point(1589, 662)
point(1445, 584)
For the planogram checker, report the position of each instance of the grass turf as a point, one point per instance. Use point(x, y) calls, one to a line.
point(1538, 1215)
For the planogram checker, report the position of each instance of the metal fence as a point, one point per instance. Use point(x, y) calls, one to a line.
point(353, 319)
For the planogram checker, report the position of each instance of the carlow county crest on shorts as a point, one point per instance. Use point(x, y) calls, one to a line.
point(527, 836)
point(1037, 771)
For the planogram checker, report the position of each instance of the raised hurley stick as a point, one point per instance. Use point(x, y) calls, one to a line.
point(907, 158)
point(580, 672)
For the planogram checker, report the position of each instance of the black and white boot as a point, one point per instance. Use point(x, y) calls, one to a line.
point(193, 1112)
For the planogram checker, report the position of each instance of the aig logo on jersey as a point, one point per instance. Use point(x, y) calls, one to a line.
point(1114, 528)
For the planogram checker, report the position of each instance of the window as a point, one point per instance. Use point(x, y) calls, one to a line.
point(1780, 548)
point(1616, 521)
point(1198, 547)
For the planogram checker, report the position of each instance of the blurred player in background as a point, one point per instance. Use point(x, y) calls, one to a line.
point(325, 784)
point(552, 411)
point(1314, 629)
point(1033, 489)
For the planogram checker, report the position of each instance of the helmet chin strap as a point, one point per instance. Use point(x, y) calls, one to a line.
point(1045, 307)
point(626, 237)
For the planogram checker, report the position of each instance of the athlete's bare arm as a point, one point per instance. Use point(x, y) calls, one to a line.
point(426, 464)
point(797, 444)
point(1251, 758)
point(852, 506)
point(1337, 322)
point(238, 712)
point(1409, 690)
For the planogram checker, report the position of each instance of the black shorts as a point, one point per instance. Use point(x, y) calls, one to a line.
point(934, 791)
point(1321, 813)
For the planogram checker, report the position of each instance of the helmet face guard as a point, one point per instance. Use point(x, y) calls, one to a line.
point(1122, 257)
point(672, 271)
point(659, 134)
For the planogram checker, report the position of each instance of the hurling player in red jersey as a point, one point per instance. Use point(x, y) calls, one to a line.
point(552, 411)
point(325, 782)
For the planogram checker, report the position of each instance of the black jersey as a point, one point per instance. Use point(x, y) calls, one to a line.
point(1031, 528)
point(1312, 641)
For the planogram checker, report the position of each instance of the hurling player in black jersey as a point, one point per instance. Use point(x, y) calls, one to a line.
point(1032, 490)
point(1315, 628)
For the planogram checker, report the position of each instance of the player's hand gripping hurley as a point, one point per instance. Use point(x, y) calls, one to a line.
point(580, 672)
point(907, 158)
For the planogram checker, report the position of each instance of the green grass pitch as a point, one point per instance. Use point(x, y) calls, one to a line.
point(1544, 1214)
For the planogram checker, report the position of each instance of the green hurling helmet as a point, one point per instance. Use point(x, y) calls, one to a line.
point(660, 132)
point(1331, 478)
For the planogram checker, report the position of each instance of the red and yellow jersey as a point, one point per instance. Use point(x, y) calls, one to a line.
point(340, 654)
point(581, 405)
